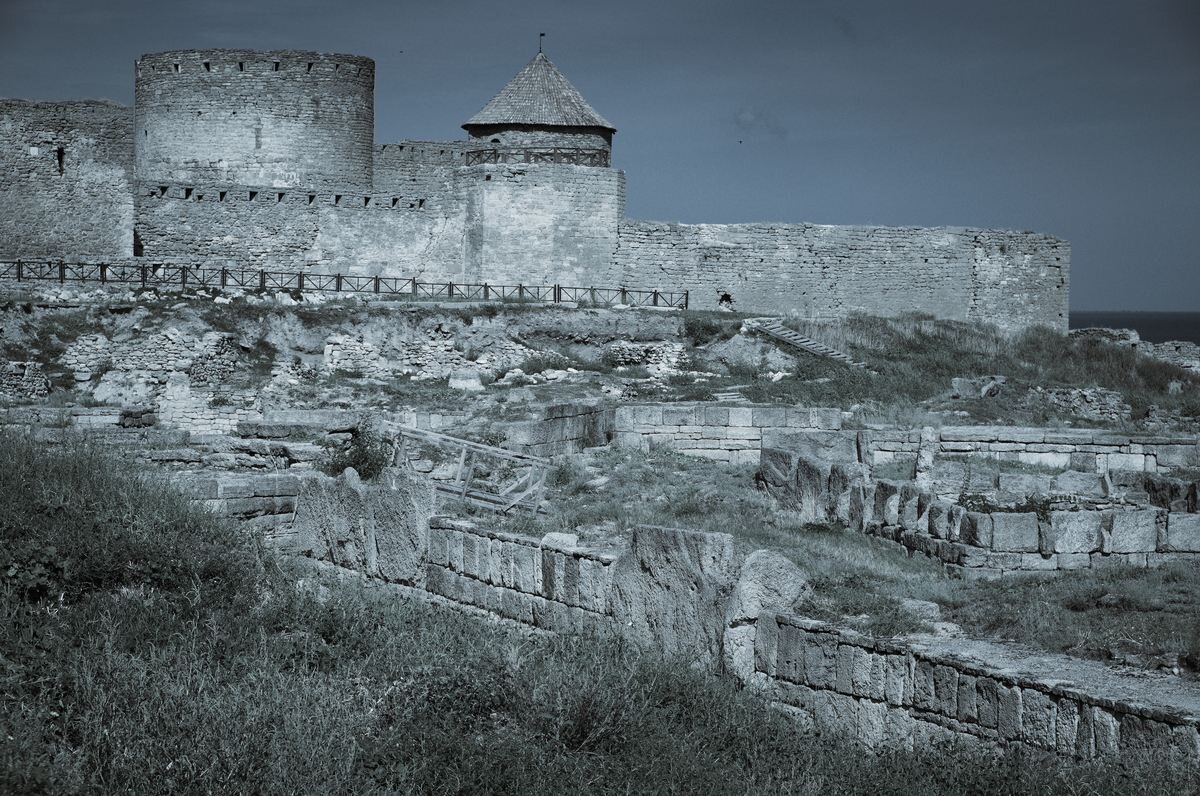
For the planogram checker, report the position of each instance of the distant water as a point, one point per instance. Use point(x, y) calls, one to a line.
point(1157, 327)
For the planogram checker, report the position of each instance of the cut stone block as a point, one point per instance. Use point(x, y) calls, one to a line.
point(1015, 532)
point(1073, 532)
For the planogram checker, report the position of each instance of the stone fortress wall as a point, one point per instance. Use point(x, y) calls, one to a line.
point(241, 117)
point(266, 159)
point(66, 178)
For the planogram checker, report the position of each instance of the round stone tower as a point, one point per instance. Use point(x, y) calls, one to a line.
point(541, 117)
point(280, 118)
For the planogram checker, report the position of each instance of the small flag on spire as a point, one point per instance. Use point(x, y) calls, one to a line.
point(540, 37)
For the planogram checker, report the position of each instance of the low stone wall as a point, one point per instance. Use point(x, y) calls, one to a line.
point(731, 434)
point(823, 477)
point(552, 586)
point(914, 692)
point(691, 595)
point(978, 544)
point(564, 428)
point(266, 501)
point(1090, 450)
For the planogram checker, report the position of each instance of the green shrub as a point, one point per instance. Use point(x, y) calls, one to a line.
point(368, 452)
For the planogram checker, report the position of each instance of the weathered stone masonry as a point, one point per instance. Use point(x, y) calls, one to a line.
point(266, 159)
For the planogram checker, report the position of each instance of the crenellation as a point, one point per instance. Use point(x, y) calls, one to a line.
point(261, 159)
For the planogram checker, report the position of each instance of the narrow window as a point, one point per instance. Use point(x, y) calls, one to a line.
point(275, 66)
point(241, 66)
point(221, 196)
point(253, 195)
point(207, 66)
point(162, 190)
point(395, 201)
point(59, 155)
point(176, 68)
point(337, 67)
point(420, 204)
point(187, 193)
point(366, 201)
point(309, 67)
point(145, 133)
point(337, 199)
point(199, 197)
point(312, 197)
point(402, 147)
point(279, 197)
point(487, 178)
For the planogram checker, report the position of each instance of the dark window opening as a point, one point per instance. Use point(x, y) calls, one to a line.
point(199, 197)
point(221, 196)
point(312, 197)
point(138, 248)
point(274, 66)
point(401, 147)
point(309, 69)
point(495, 140)
point(59, 155)
point(241, 66)
point(279, 197)
point(337, 67)
point(411, 205)
point(253, 195)
point(162, 190)
point(366, 201)
point(395, 201)
point(207, 66)
point(187, 193)
point(176, 68)
point(145, 133)
point(420, 204)
point(725, 301)
point(487, 178)
point(337, 199)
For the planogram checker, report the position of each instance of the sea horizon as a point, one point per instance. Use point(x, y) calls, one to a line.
point(1156, 327)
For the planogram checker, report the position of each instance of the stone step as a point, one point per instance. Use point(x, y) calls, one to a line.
point(774, 328)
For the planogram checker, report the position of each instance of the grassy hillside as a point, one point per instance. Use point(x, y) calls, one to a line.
point(145, 648)
point(914, 359)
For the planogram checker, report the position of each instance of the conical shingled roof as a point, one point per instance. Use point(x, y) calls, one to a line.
point(539, 95)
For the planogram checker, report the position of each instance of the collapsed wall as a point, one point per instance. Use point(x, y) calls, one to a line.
point(66, 187)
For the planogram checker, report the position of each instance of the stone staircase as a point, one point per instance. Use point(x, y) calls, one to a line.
point(773, 327)
point(732, 395)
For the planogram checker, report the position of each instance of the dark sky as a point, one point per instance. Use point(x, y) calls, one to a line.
point(1080, 118)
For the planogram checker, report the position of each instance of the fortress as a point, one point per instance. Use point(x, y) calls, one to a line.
point(267, 159)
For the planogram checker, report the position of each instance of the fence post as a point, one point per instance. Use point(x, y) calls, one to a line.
point(300, 282)
point(20, 268)
point(450, 289)
point(685, 299)
point(557, 288)
point(224, 277)
point(520, 292)
point(414, 287)
point(376, 284)
point(143, 276)
point(593, 292)
point(262, 279)
point(337, 283)
point(654, 298)
point(103, 273)
point(62, 272)
point(485, 291)
point(624, 295)
point(183, 269)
